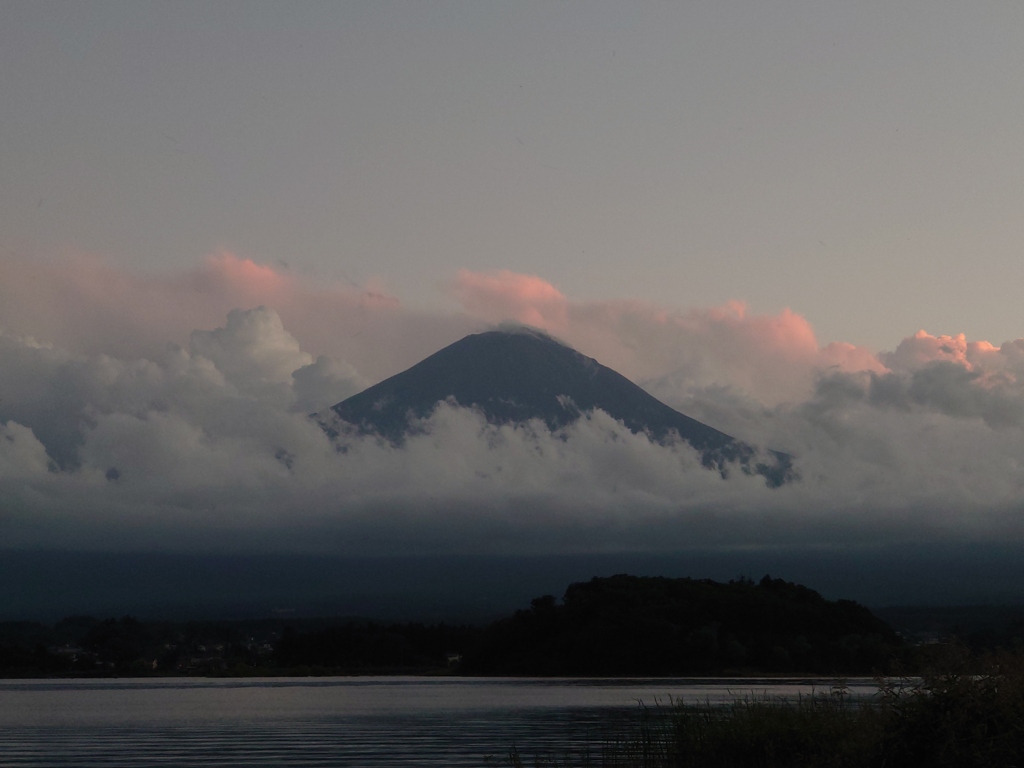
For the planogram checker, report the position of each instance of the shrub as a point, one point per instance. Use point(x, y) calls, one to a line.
point(960, 713)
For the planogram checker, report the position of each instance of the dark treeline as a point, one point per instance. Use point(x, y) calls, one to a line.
point(373, 648)
point(85, 646)
point(622, 625)
point(627, 625)
point(977, 627)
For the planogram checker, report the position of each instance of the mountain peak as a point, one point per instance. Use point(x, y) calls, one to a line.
point(516, 373)
point(524, 330)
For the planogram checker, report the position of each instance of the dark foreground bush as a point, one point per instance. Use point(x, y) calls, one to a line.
point(962, 714)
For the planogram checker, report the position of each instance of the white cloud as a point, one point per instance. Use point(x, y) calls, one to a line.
point(253, 351)
point(22, 456)
point(210, 445)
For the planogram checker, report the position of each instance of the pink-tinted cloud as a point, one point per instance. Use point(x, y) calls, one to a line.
point(241, 280)
point(922, 348)
point(776, 357)
point(84, 304)
point(503, 295)
point(991, 367)
point(849, 358)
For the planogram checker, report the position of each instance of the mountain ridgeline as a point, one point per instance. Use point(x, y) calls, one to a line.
point(516, 376)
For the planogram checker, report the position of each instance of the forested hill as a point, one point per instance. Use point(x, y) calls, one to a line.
point(629, 625)
point(622, 625)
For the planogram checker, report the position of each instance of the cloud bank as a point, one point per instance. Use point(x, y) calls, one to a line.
point(172, 412)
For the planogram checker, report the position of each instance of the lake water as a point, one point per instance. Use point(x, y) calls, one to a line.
point(354, 721)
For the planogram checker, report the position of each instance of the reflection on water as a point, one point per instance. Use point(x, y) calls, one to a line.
point(372, 721)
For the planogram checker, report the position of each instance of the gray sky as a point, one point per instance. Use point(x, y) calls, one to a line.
point(860, 163)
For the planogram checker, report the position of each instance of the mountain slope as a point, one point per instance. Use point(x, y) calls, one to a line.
point(521, 375)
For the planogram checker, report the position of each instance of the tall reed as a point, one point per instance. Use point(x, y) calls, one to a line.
point(960, 713)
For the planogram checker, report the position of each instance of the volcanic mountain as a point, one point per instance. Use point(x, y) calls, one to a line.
point(515, 376)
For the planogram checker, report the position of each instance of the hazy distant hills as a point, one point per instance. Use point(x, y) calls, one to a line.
point(515, 376)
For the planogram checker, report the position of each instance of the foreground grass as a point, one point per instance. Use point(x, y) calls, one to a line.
point(961, 713)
